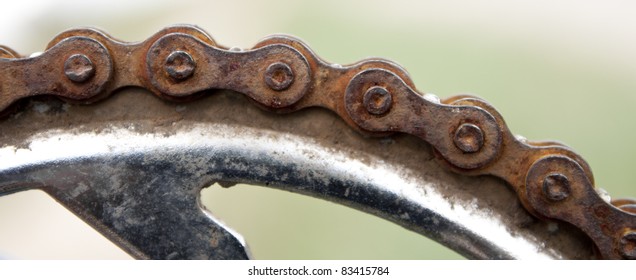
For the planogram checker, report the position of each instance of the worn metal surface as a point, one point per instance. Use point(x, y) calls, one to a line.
point(282, 74)
point(135, 175)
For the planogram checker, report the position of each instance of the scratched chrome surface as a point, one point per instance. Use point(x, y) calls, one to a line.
point(203, 151)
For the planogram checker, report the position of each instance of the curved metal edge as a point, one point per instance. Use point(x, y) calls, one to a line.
point(132, 184)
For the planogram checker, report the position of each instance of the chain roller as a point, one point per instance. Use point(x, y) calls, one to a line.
point(374, 96)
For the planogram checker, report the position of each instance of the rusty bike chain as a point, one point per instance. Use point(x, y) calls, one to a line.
point(374, 96)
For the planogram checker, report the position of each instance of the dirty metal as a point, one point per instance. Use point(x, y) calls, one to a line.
point(279, 76)
point(628, 205)
point(469, 138)
point(282, 74)
point(180, 65)
point(628, 245)
point(79, 68)
point(377, 100)
point(167, 152)
point(556, 187)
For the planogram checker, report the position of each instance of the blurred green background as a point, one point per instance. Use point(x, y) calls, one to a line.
point(559, 70)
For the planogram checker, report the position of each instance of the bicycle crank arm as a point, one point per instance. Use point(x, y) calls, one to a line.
point(139, 183)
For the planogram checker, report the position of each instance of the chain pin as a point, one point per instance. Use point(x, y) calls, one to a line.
point(628, 245)
point(377, 100)
point(180, 65)
point(79, 68)
point(469, 138)
point(556, 187)
point(279, 76)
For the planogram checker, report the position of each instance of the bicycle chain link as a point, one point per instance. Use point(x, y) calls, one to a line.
point(374, 96)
